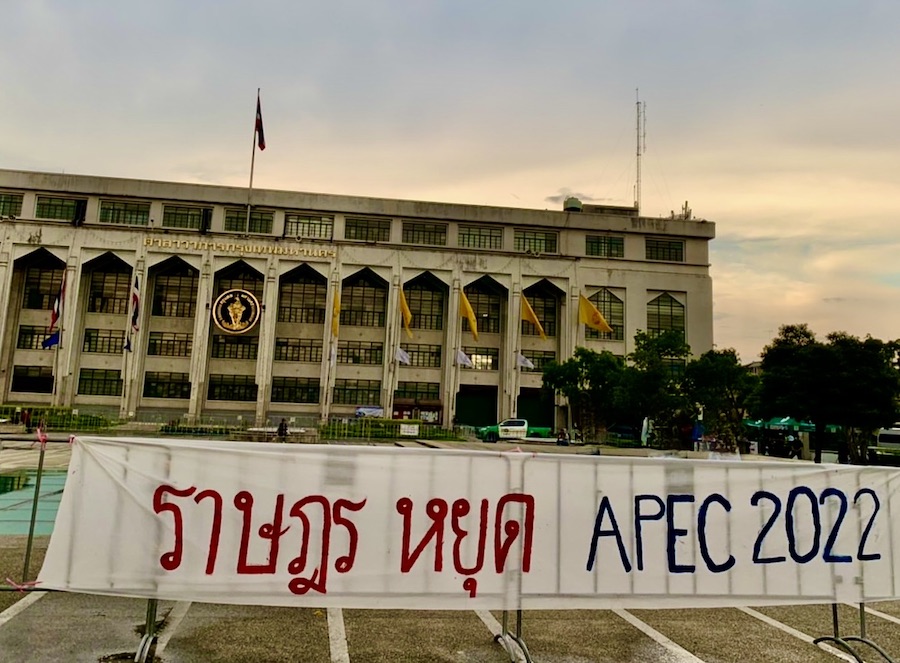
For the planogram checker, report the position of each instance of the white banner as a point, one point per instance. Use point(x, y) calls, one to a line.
point(382, 527)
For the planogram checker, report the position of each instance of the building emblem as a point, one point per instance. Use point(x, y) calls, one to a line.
point(236, 311)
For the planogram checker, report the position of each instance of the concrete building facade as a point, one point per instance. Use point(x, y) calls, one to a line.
point(323, 275)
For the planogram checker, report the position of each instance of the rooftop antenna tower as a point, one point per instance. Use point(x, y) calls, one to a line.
point(641, 145)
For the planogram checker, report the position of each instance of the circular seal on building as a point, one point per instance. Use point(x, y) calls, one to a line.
point(236, 311)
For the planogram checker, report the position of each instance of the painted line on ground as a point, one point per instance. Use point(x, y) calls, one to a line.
point(876, 613)
point(800, 635)
point(337, 636)
point(173, 621)
point(19, 606)
point(497, 631)
point(674, 648)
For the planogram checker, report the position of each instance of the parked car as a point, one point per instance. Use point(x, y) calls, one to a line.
point(512, 429)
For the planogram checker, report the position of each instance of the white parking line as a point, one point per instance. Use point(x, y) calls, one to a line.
point(680, 652)
point(876, 613)
point(497, 631)
point(337, 636)
point(800, 635)
point(19, 606)
point(173, 621)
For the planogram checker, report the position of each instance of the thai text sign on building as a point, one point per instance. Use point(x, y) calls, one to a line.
point(372, 527)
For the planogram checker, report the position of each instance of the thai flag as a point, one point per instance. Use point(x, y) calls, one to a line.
point(135, 305)
point(56, 313)
point(260, 136)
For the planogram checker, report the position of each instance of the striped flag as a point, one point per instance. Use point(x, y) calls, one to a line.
point(260, 135)
point(56, 312)
point(135, 305)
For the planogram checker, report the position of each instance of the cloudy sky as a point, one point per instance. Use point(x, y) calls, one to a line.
point(777, 120)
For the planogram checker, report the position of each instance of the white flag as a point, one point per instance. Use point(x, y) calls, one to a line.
point(463, 359)
point(402, 356)
point(523, 362)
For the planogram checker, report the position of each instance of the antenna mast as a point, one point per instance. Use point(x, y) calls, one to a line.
point(641, 145)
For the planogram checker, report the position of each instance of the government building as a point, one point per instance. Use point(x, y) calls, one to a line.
point(150, 300)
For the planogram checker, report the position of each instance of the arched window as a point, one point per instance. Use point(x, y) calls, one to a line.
point(665, 313)
point(613, 310)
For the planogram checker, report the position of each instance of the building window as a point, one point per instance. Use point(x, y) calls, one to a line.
point(33, 379)
point(363, 303)
point(298, 349)
point(175, 296)
point(124, 213)
point(10, 204)
point(360, 352)
point(106, 341)
point(535, 241)
point(423, 355)
point(604, 246)
point(485, 359)
point(308, 226)
point(665, 313)
point(295, 390)
point(368, 230)
point(232, 388)
point(99, 382)
point(63, 209)
point(235, 347)
point(479, 237)
point(190, 218)
point(302, 301)
point(670, 250)
point(261, 221)
point(432, 234)
point(420, 391)
point(169, 344)
point(30, 337)
point(357, 392)
point(674, 366)
point(613, 310)
point(426, 306)
point(249, 282)
point(109, 292)
point(486, 307)
point(41, 288)
point(540, 358)
point(545, 309)
point(166, 385)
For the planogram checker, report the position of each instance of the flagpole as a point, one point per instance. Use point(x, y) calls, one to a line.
point(252, 158)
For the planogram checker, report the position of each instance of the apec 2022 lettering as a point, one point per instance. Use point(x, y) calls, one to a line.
point(780, 519)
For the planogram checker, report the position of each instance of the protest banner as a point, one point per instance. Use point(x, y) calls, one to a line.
point(386, 527)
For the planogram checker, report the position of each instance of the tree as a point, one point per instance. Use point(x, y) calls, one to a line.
point(722, 388)
point(846, 381)
point(588, 380)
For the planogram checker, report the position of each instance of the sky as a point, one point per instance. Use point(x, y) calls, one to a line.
point(776, 120)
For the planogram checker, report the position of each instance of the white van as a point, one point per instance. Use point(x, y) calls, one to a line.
point(889, 438)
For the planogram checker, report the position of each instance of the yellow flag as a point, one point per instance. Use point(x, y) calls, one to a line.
point(590, 316)
point(405, 313)
point(336, 313)
point(465, 311)
point(529, 315)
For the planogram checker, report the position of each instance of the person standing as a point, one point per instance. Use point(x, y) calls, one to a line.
point(282, 430)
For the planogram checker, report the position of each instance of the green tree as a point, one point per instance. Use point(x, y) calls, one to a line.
point(718, 383)
point(588, 380)
point(847, 381)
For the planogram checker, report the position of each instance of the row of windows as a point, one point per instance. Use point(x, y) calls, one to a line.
point(314, 226)
point(362, 304)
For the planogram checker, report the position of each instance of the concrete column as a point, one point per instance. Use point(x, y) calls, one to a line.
point(133, 361)
point(508, 373)
point(391, 342)
point(450, 371)
point(329, 345)
point(268, 319)
point(200, 344)
point(67, 353)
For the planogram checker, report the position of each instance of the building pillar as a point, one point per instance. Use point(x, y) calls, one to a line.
point(329, 345)
point(450, 371)
point(133, 361)
point(200, 343)
point(391, 368)
point(511, 339)
point(266, 346)
point(65, 381)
